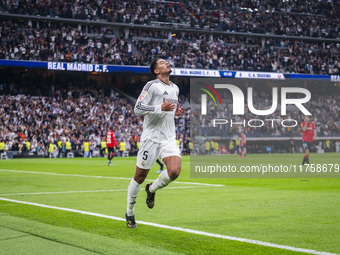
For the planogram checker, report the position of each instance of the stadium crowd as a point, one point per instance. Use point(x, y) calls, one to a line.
point(59, 42)
point(83, 118)
point(241, 53)
point(313, 18)
point(21, 40)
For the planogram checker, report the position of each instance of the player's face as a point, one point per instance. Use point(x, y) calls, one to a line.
point(163, 67)
point(307, 119)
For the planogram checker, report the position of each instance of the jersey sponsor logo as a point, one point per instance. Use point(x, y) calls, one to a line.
point(170, 100)
point(108, 138)
point(141, 96)
point(165, 93)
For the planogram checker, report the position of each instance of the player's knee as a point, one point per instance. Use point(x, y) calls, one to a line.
point(140, 176)
point(174, 172)
point(139, 179)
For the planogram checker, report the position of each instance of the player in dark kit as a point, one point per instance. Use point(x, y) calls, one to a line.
point(111, 143)
point(308, 136)
point(161, 165)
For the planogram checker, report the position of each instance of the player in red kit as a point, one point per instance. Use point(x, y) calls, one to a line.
point(111, 143)
point(308, 136)
point(243, 146)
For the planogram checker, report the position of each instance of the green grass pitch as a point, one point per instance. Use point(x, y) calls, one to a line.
point(296, 212)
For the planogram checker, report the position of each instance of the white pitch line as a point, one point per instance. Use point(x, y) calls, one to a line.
point(85, 191)
point(200, 183)
point(61, 192)
point(69, 175)
point(187, 230)
point(104, 177)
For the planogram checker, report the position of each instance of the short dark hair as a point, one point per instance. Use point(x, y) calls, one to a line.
point(153, 66)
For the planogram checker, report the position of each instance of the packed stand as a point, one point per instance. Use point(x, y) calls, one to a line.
point(242, 53)
point(31, 124)
point(42, 120)
point(61, 42)
point(148, 34)
point(313, 18)
point(65, 43)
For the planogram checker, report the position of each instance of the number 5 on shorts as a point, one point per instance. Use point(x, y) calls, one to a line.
point(145, 155)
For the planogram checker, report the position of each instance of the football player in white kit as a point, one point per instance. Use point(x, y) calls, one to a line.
point(157, 102)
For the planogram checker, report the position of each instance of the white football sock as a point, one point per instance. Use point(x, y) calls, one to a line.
point(162, 181)
point(132, 197)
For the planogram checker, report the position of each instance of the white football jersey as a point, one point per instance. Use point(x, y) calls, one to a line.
point(159, 126)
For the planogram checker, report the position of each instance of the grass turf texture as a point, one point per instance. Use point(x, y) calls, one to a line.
point(301, 213)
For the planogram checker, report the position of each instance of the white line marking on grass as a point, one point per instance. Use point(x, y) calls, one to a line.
point(191, 231)
point(104, 177)
point(61, 192)
point(86, 191)
point(70, 175)
point(200, 184)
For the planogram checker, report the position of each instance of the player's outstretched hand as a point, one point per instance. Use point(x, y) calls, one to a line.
point(179, 110)
point(168, 106)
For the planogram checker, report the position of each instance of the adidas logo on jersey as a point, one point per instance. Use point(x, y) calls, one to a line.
point(165, 93)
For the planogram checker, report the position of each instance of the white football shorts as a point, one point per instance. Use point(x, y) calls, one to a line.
point(149, 151)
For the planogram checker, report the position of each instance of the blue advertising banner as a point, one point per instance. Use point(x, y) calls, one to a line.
point(100, 68)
